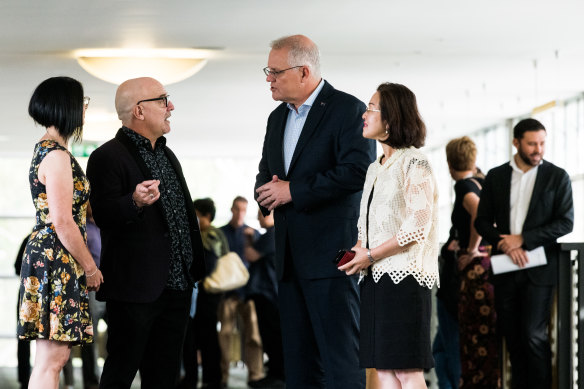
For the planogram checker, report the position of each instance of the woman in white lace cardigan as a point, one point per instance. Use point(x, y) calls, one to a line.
point(397, 250)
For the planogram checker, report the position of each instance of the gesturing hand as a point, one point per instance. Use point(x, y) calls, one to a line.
point(146, 193)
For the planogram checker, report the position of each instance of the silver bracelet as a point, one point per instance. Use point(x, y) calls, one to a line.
point(371, 260)
point(92, 274)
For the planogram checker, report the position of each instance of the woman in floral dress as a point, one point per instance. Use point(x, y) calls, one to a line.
point(57, 267)
point(479, 347)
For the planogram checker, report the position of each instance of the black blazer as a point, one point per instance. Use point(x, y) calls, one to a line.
point(135, 253)
point(550, 214)
point(326, 177)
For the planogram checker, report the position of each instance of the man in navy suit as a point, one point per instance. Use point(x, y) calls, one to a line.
point(525, 204)
point(312, 171)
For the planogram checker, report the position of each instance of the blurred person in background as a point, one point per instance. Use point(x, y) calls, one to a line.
point(202, 329)
point(478, 344)
point(525, 204)
point(262, 288)
point(236, 305)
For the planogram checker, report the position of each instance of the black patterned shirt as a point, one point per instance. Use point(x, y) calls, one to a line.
point(173, 205)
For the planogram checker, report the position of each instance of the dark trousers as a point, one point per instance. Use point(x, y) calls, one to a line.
point(202, 335)
point(320, 333)
point(23, 353)
point(523, 312)
point(146, 337)
point(269, 325)
point(89, 351)
point(446, 349)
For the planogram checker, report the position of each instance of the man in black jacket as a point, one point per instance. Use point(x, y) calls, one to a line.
point(525, 204)
point(151, 244)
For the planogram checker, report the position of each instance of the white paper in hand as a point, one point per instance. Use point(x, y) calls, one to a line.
point(503, 263)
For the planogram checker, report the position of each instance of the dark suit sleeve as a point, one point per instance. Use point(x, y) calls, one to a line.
point(485, 220)
point(110, 199)
point(562, 220)
point(354, 155)
point(263, 175)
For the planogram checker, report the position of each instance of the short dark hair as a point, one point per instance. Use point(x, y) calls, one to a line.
point(205, 206)
point(58, 101)
point(399, 111)
point(238, 198)
point(526, 125)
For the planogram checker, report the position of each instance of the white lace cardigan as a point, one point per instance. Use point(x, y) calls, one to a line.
point(404, 205)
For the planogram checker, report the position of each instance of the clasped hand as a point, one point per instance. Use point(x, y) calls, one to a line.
point(274, 193)
point(511, 245)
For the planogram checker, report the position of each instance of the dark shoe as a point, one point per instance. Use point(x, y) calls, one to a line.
point(267, 383)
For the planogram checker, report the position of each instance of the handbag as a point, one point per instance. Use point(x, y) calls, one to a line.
point(230, 273)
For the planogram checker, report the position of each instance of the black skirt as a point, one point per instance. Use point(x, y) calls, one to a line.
point(395, 324)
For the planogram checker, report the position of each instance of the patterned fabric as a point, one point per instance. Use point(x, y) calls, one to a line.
point(404, 205)
point(54, 303)
point(477, 322)
point(173, 206)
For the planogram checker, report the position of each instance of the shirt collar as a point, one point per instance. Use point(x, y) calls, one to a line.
point(310, 100)
point(142, 141)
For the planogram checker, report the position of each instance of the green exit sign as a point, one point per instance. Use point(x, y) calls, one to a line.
point(83, 149)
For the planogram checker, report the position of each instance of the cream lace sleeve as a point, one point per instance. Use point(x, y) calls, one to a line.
point(418, 197)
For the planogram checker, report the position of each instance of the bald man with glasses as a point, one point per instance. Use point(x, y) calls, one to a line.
point(152, 251)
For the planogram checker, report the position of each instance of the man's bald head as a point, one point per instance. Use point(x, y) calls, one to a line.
point(151, 117)
point(129, 93)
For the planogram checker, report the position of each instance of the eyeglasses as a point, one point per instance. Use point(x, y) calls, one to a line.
point(269, 72)
point(163, 98)
point(86, 101)
point(372, 110)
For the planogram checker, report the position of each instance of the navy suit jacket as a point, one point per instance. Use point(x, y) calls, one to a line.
point(326, 178)
point(135, 254)
point(549, 217)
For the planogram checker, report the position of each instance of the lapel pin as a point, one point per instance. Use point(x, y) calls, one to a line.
point(322, 103)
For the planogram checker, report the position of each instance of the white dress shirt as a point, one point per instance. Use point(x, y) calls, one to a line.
point(522, 184)
point(295, 123)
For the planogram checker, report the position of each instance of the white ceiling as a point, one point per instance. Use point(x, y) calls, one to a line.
point(470, 62)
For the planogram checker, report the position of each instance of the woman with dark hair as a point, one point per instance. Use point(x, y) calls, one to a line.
point(57, 267)
point(476, 301)
point(397, 249)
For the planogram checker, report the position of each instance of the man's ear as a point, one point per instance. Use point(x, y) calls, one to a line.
point(305, 73)
point(515, 142)
point(137, 112)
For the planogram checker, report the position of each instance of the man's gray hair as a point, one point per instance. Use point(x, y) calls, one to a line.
point(302, 52)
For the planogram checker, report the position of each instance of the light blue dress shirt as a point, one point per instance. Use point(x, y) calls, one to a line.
point(295, 123)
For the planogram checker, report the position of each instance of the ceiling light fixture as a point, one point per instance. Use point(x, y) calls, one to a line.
point(166, 65)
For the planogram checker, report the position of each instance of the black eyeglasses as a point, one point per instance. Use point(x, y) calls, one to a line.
point(163, 98)
point(269, 72)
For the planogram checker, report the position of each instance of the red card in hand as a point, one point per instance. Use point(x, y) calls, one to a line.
point(344, 256)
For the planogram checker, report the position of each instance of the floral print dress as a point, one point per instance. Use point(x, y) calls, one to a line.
point(54, 302)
